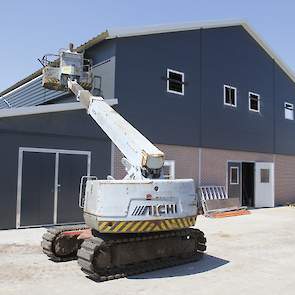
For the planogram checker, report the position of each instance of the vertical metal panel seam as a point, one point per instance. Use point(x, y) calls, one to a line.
point(200, 165)
point(274, 106)
point(201, 87)
point(115, 70)
point(56, 188)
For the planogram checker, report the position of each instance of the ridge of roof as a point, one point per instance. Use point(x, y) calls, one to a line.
point(157, 29)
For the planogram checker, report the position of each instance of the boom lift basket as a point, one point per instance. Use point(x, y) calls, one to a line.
point(58, 68)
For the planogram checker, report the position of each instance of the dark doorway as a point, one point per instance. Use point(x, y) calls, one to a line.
point(248, 184)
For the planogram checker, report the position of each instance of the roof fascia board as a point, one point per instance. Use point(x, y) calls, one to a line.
point(44, 109)
point(269, 51)
point(120, 33)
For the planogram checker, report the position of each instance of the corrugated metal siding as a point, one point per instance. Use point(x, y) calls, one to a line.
point(29, 95)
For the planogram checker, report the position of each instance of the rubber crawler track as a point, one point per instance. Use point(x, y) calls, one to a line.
point(49, 239)
point(89, 247)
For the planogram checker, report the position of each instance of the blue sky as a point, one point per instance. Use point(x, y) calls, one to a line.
point(31, 28)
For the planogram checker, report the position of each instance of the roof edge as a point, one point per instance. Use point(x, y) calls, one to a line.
point(157, 29)
point(50, 108)
point(289, 72)
point(149, 30)
point(88, 44)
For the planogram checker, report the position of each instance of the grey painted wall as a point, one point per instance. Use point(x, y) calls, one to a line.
point(285, 129)
point(230, 56)
point(104, 78)
point(67, 130)
point(209, 59)
point(141, 65)
point(101, 51)
point(67, 123)
point(133, 69)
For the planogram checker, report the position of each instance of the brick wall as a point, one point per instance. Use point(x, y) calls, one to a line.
point(214, 163)
point(214, 167)
point(186, 161)
point(284, 179)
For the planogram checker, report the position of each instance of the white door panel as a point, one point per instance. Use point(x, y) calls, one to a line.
point(264, 184)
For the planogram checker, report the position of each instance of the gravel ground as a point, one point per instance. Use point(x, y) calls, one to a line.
point(252, 254)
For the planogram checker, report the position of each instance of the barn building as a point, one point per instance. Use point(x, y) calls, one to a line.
point(213, 97)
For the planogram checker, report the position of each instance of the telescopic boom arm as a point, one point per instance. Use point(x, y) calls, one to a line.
point(142, 158)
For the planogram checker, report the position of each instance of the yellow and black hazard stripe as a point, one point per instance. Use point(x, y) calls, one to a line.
point(145, 225)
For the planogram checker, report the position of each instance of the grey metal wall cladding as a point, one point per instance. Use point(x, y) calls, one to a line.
point(68, 123)
point(104, 78)
point(285, 129)
point(30, 95)
point(231, 56)
point(11, 141)
point(141, 69)
point(209, 58)
point(102, 51)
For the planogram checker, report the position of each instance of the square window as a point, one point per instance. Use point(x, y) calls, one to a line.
point(264, 175)
point(254, 102)
point(234, 175)
point(230, 95)
point(175, 82)
point(289, 111)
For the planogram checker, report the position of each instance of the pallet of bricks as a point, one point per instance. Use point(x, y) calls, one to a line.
point(217, 204)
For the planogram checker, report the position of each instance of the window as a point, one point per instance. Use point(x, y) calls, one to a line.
point(234, 175)
point(230, 95)
point(289, 111)
point(169, 169)
point(264, 175)
point(175, 82)
point(254, 102)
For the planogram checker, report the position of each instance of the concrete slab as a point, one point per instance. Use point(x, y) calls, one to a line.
point(251, 254)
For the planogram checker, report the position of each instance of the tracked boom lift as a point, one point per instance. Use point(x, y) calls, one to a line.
point(137, 224)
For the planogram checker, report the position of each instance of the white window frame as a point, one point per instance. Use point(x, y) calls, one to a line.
point(249, 97)
point(171, 165)
point(182, 80)
point(238, 175)
point(291, 104)
point(224, 96)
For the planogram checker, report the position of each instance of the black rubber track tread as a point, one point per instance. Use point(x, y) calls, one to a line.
point(49, 237)
point(90, 246)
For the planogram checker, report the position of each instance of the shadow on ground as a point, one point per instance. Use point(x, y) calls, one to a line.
point(207, 263)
